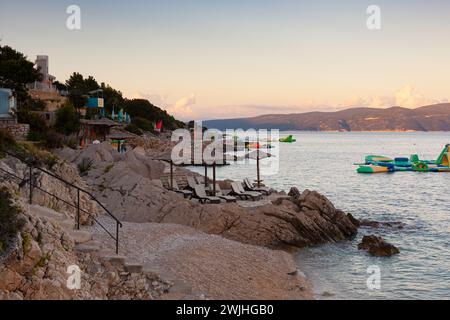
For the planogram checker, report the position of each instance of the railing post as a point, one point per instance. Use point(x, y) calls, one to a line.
point(31, 183)
point(78, 209)
point(117, 237)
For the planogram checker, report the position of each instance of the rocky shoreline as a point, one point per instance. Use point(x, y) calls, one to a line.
point(192, 251)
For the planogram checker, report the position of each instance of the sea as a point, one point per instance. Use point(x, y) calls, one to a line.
point(421, 201)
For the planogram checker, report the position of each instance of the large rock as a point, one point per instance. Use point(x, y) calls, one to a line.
point(377, 246)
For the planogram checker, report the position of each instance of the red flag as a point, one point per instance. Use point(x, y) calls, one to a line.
point(159, 125)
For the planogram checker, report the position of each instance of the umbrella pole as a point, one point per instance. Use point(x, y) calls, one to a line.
point(257, 170)
point(171, 174)
point(206, 175)
point(214, 178)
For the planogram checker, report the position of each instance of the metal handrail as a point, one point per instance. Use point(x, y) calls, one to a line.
point(79, 190)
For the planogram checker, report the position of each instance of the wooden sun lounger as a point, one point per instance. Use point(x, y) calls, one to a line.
point(200, 194)
point(200, 180)
point(221, 195)
point(239, 191)
point(186, 193)
point(191, 182)
point(248, 186)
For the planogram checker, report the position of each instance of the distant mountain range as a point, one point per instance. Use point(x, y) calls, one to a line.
point(428, 118)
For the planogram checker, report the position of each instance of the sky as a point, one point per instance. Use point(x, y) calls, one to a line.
point(207, 59)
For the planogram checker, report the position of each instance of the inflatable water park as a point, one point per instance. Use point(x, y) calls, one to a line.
point(382, 164)
point(288, 139)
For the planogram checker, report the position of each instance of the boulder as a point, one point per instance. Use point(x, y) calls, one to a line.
point(377, 246)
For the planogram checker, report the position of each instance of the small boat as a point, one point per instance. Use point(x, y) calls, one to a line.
point(289, 139)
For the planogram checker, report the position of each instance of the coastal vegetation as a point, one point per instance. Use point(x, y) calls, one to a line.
point(16, 72)
point(67, 120)
point(10, 224)
point(143, 113)
point(133, 128)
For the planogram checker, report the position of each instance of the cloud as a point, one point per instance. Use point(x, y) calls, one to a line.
point(186, 108)
point(407, 97)
point(156, 99)
point(181, 109)
point(184, 104)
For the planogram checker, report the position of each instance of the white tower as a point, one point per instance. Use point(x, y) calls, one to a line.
point(42, 64)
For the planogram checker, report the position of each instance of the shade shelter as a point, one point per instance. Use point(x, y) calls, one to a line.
point(91, 130)
point(258, 155)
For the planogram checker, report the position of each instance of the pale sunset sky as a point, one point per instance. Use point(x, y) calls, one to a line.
point(224, 59)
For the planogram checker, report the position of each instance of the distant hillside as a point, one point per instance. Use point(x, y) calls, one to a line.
point(428, 118)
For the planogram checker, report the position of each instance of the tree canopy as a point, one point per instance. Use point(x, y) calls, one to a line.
point(140, 108)
point(67, 120)
point(16, 71)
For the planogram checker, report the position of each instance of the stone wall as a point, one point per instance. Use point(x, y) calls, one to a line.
point(53, 100)
point(19, 130)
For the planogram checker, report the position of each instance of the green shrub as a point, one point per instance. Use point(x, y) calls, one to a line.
point(67, 120)
point(7, 141)
point(26, 243)
point(72, 143)
point(10, 223)
point(143, 124)
point(35, 136)
point(134, 129)
point(108, 168)
point(31, 104)
point(36, 122)
point(39, 154)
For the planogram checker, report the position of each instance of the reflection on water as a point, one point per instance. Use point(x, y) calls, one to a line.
point(324, 162)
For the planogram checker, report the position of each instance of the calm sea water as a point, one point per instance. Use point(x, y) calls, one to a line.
point(324, 162)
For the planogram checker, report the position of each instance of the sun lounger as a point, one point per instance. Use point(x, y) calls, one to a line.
point(191, 182)
point(238, 190)
point(186, 193)
point(248, 186)
point(200, 193)
point(200, 180)
point(221, 195)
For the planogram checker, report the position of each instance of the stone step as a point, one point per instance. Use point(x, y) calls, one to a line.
point(80, 236)
point(133, 266)
point(46, 212)
point(89, 247)
point(68, 224)
point(115, 260)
